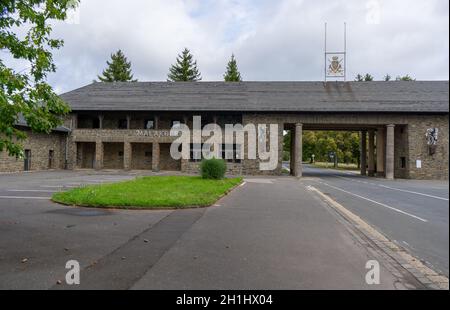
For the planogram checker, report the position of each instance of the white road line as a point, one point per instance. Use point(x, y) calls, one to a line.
point(395, 189)
point(243, 183)
point(19, 197)
point(411, 192)
point(56, 186)
point(376, 202)
point(30, 190)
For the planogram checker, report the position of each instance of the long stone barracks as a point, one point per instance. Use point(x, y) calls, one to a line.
point(403, 125)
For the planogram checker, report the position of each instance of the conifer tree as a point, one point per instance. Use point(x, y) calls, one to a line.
point(232, 74)
point(185, 68)
point(118, 70)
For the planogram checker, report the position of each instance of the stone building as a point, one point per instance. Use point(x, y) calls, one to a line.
point(127, 125)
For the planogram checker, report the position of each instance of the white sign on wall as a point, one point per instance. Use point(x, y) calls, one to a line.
point(418, 164)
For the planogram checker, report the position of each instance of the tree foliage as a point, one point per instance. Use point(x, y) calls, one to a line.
point(118, 69)
point(185, 68)
point(320, 143)
point(405, 78)
point(25, 34)
point(232, 74)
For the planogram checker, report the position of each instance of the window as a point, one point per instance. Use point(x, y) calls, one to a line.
point(195, 152)
point(123, 124)
point(403, 162)
point(231, 154)
point(50, 159)
point(175, 124)
point(95, 123)
point(149, 124)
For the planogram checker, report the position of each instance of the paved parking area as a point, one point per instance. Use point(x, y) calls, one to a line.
point(270, 233)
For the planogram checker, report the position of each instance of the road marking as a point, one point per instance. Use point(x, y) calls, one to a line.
point(392, 249)
point(375, 202)
point(411, 192)
point(394, 188)
point(20, 197)
point(56, 186)
point(30, 190)
point(243, 183)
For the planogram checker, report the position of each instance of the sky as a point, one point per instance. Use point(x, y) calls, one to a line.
point(273, 40)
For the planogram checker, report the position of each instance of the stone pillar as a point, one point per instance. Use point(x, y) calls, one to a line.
point(292, 153)
point(98, 163)
point(79, 155)
point(155, 156)
point(156, 122)
point(363, 151)
point(380, 152)
point(128, 121)
point(371, 153)
point(100, 121)
point(390, 151)
point(127, 155)
point(298, 151)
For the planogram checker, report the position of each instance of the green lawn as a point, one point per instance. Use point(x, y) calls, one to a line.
point(150, 192)
point(341, 166)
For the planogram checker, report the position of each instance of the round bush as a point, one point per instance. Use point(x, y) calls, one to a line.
point(213, 168)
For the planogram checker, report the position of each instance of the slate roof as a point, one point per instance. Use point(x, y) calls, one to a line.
point(393, 96)
point(22, 122)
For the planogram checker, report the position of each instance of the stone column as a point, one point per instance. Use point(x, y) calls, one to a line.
point(363, 151)
point(155, 156)
point(98, 163)
point(380, 151)
point(371, 153)
point(292, 153)
point(128, 121)
point(100, 121)
point(156, 122)
point(127, 155)
point(390, 151)
point(298, 151)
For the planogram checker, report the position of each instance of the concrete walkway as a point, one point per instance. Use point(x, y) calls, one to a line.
point(268, 234)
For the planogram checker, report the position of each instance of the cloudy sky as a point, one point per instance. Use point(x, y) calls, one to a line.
point(272, 39)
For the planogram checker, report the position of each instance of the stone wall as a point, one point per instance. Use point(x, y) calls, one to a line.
point(40, 145)
point(141, 156)
point(433, 166)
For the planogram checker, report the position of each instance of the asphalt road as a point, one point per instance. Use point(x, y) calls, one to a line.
point(271, 233)
point(413, 213)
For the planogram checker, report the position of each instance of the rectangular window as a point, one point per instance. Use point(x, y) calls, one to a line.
point(123, 124)
point(195, 152)
point(149, 124)
point(50, 159)
point(403, 162)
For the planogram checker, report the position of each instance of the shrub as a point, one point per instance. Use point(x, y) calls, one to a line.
point(213, 168)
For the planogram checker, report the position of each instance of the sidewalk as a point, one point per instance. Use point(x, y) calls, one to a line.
point(269, 234)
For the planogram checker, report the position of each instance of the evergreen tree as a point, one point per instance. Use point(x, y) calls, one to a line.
point(359, 78)
point(368, 78)
point(405, 78)
point(185, 68)
point(232, 74)
point(118, 70)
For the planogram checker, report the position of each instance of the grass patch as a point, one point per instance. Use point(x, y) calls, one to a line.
point(340, 166)
point(150, 193)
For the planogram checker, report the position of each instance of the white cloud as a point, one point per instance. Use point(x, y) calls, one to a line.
point(272, 40)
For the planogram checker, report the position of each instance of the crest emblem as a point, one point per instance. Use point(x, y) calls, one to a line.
point(335, 66)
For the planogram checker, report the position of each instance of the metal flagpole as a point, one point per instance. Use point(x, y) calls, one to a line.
point(325, 54)
point(345, 51)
